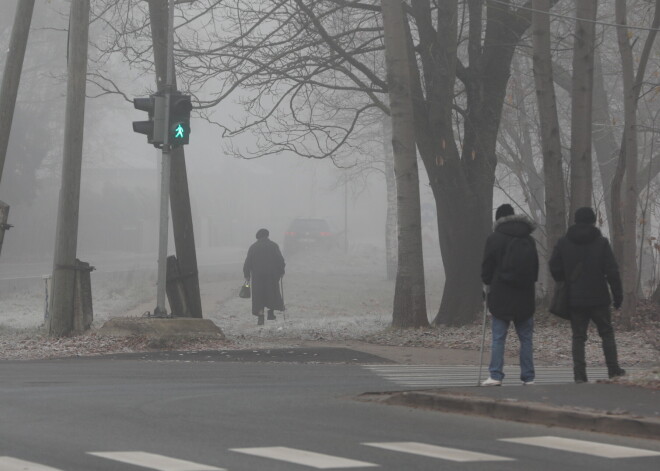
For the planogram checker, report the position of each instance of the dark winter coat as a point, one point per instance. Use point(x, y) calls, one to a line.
point(264, 265)
point(584, 245)
point(508, 302)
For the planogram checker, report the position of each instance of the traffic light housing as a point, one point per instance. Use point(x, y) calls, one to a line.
point(179, 120)
point(154, 105)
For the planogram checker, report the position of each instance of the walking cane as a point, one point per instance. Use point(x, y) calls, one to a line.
point(483, 334)
point(282, 293)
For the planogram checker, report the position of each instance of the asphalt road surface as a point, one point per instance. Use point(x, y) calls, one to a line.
point(206, 412)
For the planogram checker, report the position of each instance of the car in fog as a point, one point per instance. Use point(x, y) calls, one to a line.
point(308, 233)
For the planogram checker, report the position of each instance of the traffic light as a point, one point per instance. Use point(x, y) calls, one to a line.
point(179, 122)
point(153, 128)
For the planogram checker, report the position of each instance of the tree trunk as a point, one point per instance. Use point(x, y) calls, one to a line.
point(410, 294)
point(64, 265)
point(581, 111)
point(390, 219)
point(555, 213)
point(603, 138)
point(182, 223)
point(12, 74)
point(629, 164)
point(629, 142)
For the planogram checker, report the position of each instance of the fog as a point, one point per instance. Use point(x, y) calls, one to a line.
point(231, 198)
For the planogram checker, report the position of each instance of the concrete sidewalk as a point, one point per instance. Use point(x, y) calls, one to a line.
point(598, 407)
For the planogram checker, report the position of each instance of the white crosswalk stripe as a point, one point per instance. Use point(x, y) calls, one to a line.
point(305, 458)
point(440, 452)
point(7, 463)
point(317, 460)
point(431, 376)
point(602, 450)
point(153, 461)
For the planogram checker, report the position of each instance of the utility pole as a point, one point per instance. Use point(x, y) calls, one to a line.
point(64, 264)
point(12, 75)
point(160, 310)
point(9, 90)
point(182, 224)
point(345, 211)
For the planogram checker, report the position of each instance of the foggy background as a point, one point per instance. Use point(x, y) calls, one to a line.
point(119, 203)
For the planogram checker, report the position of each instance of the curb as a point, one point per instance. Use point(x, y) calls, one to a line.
point(528, 412)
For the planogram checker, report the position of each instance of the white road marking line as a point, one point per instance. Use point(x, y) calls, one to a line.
point(466, 375)
point(603, 450)
point(305, 458)
point(441, 452)
point(153, 461)
point(7, 463)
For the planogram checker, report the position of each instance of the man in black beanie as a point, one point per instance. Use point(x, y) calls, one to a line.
point(584, 260)
point(263, 268)
point(510, 269)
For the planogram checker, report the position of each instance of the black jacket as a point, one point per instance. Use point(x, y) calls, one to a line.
point(505, 301)
point(584, 247)
point(264, 258)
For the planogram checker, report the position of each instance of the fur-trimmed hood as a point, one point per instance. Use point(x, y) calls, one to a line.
point(516, 225)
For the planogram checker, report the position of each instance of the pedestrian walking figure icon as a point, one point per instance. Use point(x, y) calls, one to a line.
point(179, 132)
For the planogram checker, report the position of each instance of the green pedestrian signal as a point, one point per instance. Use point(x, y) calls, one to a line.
point(179, 122)
point(179, 132)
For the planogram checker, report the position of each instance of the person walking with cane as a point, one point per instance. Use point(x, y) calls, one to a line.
point(264, 268)
point(510, 270)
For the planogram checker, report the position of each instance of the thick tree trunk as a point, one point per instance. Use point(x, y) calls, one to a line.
point(410, 294)
point(461, 243)
point(555, 212)
point(629, 142)
point(581, 111)
point(629, 164)
point(390, 218)
point(66, 242)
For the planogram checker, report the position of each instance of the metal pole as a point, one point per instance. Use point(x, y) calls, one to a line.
point(345, 211)
point(483, 334)
point(160, 310)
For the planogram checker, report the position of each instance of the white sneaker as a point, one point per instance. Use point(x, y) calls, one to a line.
point(528, 383)
point(491, 382)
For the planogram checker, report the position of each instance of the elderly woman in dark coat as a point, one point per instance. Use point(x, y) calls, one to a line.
point(264, 267)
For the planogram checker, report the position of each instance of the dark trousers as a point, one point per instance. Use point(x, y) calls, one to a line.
point(600, 315)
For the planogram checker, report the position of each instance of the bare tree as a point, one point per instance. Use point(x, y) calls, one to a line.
point(582, 96)
point(626, 233)
point(310, 74)
point(410, 294)
point(550, 134)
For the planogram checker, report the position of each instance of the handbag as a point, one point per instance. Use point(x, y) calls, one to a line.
point(244, 292)
point(559, 302)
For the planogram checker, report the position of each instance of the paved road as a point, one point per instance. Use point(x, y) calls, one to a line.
point(190, 415)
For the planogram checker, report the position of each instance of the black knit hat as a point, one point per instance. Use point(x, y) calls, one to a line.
point(585, 215)
point(503, 211)
point(262, 233)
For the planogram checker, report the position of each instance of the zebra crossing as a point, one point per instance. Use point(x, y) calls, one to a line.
point(316, 460)
point(431, 376)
